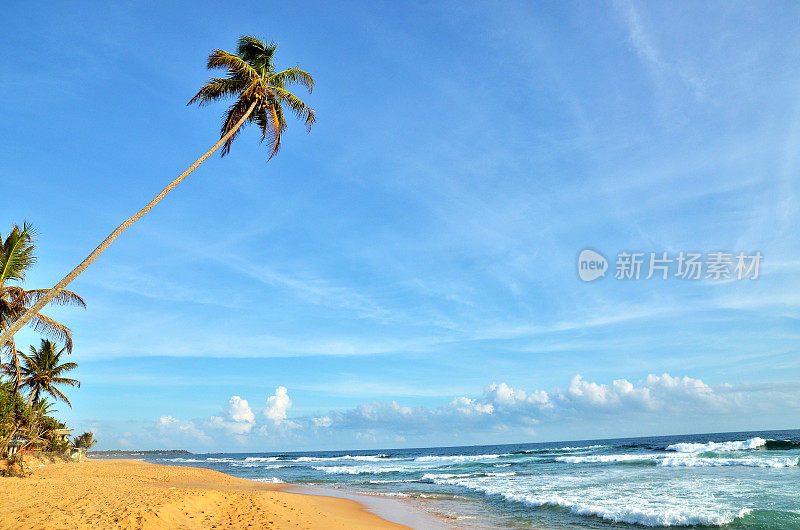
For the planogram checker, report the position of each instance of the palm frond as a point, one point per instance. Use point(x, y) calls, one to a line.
point(65, 381)
point(232, 117)
point(293, 76)
point(16, 253)
point(300, 109)
point(234, 64)
point(57, 394)
point(48, 326)
point(61, 368)
point(32, 296)
point(256, 53)
point(272, 124)
point(217, 88)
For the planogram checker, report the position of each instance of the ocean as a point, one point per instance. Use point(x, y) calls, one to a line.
point(725, 480)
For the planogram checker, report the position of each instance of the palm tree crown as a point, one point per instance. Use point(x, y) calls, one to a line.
point(16, 257)
point(41, 372)
point(252, 79)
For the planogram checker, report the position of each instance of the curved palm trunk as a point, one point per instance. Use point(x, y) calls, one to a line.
point(33, 399)
point(15, 360)
point(35, 308)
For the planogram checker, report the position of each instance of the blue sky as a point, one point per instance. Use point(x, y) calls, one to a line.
point(397, 276)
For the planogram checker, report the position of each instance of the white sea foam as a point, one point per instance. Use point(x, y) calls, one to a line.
point(261, 459)
point(620, 511)
point(364, 458)
point(456, 458)
point(273, 480)
point(357, 470)
point(437, 476)
point(589, 459)
point(561, 449)
point(584, 448)
point(259, 465)
point(738, 445)
point(720, 462)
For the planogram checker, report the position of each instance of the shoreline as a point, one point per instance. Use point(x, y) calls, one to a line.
point(124, 493)
point(398, 511)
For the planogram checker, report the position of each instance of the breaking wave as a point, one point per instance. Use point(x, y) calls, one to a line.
point(591, 459)
point(623, 512)
point(358, 470)
point(720, 462)
point(456, 458)
point(364, 458)
point(739, 445)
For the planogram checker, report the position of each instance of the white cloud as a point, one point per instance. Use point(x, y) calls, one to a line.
point(500, 409)
point(324, 421)
point(277, 405)
point(656, 392)
point(502, 394)
point(467, 406)
point(171, 426)
point(236, 418)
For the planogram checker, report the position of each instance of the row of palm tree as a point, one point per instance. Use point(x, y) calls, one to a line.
point(42, 371)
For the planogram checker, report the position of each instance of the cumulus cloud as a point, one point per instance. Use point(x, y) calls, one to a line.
point(502, 407)
point(502, 394)
point(656, 392)
point(236, 417)
point(275, 412)
point(499, 408)
point(466, 406)
point(277, 405)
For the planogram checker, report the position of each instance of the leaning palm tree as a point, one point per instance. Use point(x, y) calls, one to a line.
point(260, 95)
point(16, 257)
point(42, 373)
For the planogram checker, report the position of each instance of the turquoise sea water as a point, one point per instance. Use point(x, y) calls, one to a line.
point(728, 480)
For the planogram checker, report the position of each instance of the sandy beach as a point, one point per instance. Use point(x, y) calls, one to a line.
point(133, 494)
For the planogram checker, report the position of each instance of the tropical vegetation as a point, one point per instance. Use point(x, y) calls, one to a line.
point(26, 380)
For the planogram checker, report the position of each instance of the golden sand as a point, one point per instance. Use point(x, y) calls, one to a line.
point(132, 494)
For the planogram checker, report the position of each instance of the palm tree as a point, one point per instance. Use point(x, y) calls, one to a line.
point(261, 94)
point(41, 372)
point(16, 257)
point(44, 408)
point(85, 441)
